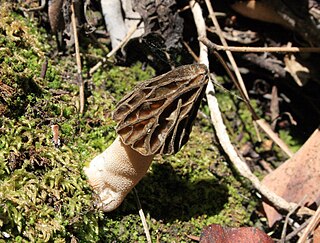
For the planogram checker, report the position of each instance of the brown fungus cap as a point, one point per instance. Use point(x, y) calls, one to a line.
point(157, 116)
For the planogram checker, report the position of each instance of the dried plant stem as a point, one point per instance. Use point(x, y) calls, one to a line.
point(131, 31)
point(220, 128)
point(225, 44)
point(315, 220)
point(284, 230)
point(195, 57)
point(78, 59)
point(234, 65)
point(284, 49)
point(298, 230)
point(114, 50)
point(262, 123)
point(274, 137)
point(142, 216)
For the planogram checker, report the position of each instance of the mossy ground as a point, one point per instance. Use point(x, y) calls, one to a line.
point(44, 195)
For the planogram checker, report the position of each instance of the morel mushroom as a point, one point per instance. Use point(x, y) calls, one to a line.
point(155, 118)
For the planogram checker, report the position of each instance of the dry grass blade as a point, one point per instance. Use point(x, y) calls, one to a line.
point(76, 43)
point(113, 51)
point(142, 216)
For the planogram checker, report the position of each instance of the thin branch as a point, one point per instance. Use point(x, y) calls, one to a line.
point(114, 50)
point(76, 43)
point(284, 230)
point(284, 49)
point(220, 128)
point(131, 31)
point(195, 57)
point(262, 123)
point(311, 226)
point(296, 231)
point(234, 65)
point(274, 137)
point(143, 218)
point(224, 43)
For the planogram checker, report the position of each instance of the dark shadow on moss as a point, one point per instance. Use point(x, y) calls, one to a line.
point(19, 100)
point(167, 196)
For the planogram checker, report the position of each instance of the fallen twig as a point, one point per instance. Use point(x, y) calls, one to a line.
point(131, 31)
point(114, 50)
point(142, 216)
point(234, 65)
point(195, 57)
point(220, 128)
point(296, 231)
point(79, 71)
point(283, 49)
point(284, 230)
point(262, 123)
point(268, 130)
point(315, 220)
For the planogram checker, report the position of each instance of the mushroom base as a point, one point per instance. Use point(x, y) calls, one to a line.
point(114, 173)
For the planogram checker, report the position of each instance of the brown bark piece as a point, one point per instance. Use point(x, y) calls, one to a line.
point(299, 176)
point(217, 234)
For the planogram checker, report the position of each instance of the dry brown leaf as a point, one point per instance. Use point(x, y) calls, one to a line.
point(299, 176)
point(299, 73)
point(215, 233)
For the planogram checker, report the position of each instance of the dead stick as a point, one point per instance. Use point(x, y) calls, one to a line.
point(225, 44)
point(195, 57)
point(284, 49)
point(262, 123)
point(131, 31)
point(311, 226)
point(76, 43)
point(234, 65)
point(296, 231)
point(220, 128)
point(284, 230)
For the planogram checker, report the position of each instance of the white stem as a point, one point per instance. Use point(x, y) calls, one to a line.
point(113, 173)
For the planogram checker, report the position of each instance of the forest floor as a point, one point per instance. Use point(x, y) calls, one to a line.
point(44, 195)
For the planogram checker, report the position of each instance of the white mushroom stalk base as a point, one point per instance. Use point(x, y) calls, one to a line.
point(114, 173)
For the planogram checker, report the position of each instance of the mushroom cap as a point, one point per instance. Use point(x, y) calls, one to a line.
point(157, 116)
